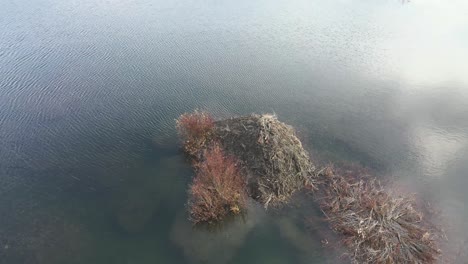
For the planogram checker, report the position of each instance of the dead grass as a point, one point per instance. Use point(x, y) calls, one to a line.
point(196, 130)
point(218, 188)
point(377, 227)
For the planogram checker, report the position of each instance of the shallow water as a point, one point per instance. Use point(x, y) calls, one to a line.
point(89, 90)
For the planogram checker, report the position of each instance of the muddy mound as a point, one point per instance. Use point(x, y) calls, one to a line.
point(272, 157)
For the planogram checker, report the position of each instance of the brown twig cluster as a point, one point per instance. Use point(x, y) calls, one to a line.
point(218, 188)
point(271, 154)
point(196, 130)
point(378, 227)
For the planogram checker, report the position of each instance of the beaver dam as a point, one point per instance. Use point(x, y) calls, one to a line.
point(260, 157)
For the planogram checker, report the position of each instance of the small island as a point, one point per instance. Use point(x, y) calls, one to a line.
point(260, 157)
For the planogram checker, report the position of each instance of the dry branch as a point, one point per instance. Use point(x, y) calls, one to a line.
point(377, 227)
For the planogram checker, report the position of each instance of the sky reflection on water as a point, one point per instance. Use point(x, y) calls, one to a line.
point(87, 87)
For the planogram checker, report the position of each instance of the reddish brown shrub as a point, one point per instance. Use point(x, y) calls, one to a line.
point(196, 130)
point(218, 188)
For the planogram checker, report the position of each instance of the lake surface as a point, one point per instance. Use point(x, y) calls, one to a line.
point(90, 170)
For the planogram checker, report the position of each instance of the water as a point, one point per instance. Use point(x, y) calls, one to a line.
point(89, 90)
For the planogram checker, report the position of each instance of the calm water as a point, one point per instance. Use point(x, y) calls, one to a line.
point(89, 90)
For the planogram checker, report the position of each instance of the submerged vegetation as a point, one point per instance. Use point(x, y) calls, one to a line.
point(258, 155)
point(377, 227)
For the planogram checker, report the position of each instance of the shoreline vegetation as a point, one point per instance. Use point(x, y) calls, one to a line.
point(260, 157)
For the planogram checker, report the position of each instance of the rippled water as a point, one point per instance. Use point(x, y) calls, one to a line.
point(89, 90)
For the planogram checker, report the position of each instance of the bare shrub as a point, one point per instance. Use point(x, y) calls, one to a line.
point(196, 130)
point(218, 188)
